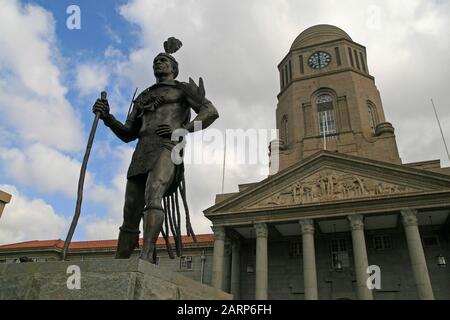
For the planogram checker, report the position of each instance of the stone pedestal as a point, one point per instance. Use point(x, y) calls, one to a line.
point(102, 279)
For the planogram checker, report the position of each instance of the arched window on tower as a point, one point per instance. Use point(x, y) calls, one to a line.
point(327, 123)
point(373, 117)
point(285, 128)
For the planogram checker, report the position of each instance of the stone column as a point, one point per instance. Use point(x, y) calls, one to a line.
point(227, 266)
point(218, 257)
point(360, 256)
point(235, 269)
point(262, 278)
point(309, 259)
point(416, 254)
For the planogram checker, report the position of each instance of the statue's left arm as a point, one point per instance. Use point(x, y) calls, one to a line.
point(206, 112)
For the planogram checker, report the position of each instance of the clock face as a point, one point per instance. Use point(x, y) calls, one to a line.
point(319, 59)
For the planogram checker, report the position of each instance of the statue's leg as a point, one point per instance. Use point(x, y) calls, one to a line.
point(132, 212)
point(158, 181)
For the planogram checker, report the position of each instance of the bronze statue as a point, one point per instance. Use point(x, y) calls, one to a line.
point(153, 179)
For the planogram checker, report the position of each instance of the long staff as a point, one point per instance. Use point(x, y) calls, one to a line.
point(81, 182)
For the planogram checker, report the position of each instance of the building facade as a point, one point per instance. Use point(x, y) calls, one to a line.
point(341, 202)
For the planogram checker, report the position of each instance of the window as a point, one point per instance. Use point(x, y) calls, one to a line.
point(290, 70)
point(351, 57)
point(302, 68)
point(382, 243)
point(186, 263)
point(282, 77)
point(295, 249)
point(372, 116)
point(339, 253)
point(363, 64)
point(286, 79)
point(357, 60)
point(327, 124)
point(430, 241)
point(338, 56)
point(285, 126)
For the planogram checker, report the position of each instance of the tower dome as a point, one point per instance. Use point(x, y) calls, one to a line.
point(318, 34)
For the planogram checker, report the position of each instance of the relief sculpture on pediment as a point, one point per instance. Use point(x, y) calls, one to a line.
point(331, 185)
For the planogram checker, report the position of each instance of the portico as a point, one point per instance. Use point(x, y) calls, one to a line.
point(321, 250)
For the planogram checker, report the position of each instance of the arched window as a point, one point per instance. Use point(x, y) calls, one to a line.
point(327, 123)
point(373, 118)
point(285, 128)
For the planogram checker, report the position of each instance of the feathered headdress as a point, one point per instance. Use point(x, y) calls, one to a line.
point(172, 45)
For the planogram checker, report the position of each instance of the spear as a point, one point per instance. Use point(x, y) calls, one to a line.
point(81, 181)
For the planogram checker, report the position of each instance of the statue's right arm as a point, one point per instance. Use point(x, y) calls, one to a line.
point(126, 132)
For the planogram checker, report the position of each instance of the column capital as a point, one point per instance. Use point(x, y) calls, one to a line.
point(307, 226)
point(219, 233)
point(356, 222)
point(409, 217)
point(261, 230)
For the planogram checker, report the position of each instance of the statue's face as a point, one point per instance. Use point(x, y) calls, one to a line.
point(162, 66)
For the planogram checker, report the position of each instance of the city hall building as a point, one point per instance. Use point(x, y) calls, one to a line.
point(342, 200)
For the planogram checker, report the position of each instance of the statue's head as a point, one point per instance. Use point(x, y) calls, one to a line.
point(164, 63)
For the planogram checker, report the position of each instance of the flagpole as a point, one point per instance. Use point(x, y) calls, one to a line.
point(440, 128)
point(224, 160)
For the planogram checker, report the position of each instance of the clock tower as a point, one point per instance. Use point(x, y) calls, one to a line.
point(328, 100)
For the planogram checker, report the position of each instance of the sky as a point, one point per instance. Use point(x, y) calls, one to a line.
point(52, 73)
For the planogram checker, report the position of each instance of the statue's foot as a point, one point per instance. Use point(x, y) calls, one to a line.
point(128, 240)
point(147, 257)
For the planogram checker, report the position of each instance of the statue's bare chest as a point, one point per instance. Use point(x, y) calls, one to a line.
point(154, 98)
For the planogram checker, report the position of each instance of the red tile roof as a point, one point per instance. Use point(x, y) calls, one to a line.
point(96, 244)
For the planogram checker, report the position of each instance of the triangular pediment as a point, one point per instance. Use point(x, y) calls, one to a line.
point(331, 184)
point(331, 178)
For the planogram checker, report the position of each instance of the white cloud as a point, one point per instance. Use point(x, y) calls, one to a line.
point(54, 172)
point(112, 196)
point(100, 228)
point(91, 78)
point(42, 167)
point(32, 97)
point(27, 219)
point(236, 49)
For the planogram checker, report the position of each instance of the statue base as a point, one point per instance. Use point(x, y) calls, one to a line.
point(102, 279)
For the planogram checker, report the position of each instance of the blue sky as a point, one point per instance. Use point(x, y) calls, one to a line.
point(50, 76)
point(102, 27)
